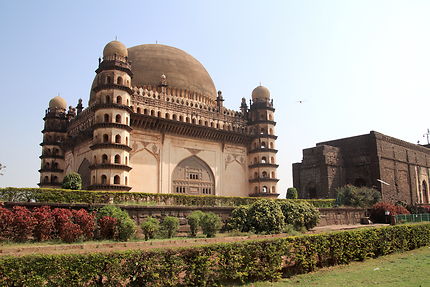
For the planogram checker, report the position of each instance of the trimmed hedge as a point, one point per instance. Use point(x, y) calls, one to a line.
point(212, 265)
point(81, 196)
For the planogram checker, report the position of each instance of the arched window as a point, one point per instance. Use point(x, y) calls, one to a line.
point(174, 117)
point(104, 179)
point(55, 179)
point(128, 102)
point(145, 111)
point(105, 138)
point(167, 116)
point(126, 140)
point(270, 131)
point(47, 165)
point(127, 121)
point(255, 160)
point(272, 160)
point(94, 180)
point(104, 158)
point(116, 179)
point(126, 160)
point(255, 174)
point(108, 80)
point(263, 145)
point(264, 174)
point(181, 118)
point(46, 179)
point(265, 189)
point(273, 189)
point(55, 151)
point(119, 81)
point(425, 192)
point(119, 100)
point(95, 160)
point(118, 119)
point(118, 139)
point(106, 118)
point(273, 174)
point(159, 114)
point(107, 99)
point(117, 159)
point(255, 189)
point(139, 110)
point(272, 146)
point(152, 113)
point(263, 159)
point(187, 119)
point(126, 180)
point(262, 131)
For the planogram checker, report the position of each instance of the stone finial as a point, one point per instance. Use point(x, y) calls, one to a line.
point(79, 107)
point(163, 80)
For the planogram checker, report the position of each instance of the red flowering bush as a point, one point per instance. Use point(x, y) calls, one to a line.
point(6, 223)
point(61, 216)
point(108, 227)
point(23, 223)
point(44, 228)
point(70, 232)
point(377, 212)
point(86, 222)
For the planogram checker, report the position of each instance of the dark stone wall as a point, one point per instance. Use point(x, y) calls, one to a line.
point(361, 161)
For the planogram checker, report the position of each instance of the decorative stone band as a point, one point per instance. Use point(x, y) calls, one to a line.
point(263, 150)
point(51, 156)
point(121, 65)
point(51, 170)
point(116, 187)
point(112, 125)
point(110, 145)
point(100, 87)
point(188, 129)
point(263, 165)
point(51, 143)
point(55, 130)
point(263, 122)
point(111, 106)
point(264, 136)
point(110, 166)
point(264, 179)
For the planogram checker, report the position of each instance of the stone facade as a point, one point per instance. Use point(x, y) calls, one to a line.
point(156, 124)
point(365, 160)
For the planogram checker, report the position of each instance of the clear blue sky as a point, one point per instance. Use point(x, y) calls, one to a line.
point(358, 65)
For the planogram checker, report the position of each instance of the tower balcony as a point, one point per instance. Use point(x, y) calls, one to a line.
point(110, 146)
point(263, 179)
point(110, 166)
point(256, 150)
point(51, 169)
point(261, 164)
point(263, 122)
point(53, 156)
point(113, 125)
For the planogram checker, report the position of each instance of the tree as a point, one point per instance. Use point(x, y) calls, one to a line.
point(170, 226)
point(150, 227)
point(292, 193)
point(265, 216)
point(194, 221)
point(72, 180)
point(210, 223)
point(350, 195)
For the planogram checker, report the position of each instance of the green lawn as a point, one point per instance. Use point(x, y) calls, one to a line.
point(410, 268)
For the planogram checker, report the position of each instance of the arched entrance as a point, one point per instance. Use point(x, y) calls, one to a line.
point(359, 182)
point(193, 176)
point(311, 190)
point(84, 171)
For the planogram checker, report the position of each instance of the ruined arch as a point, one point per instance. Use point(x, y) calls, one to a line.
point(193, 176)
point(84, 171)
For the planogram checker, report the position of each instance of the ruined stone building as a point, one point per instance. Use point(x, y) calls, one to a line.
point(155, 123)
point(365, 160)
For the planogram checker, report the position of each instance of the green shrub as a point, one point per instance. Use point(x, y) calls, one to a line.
point(265, 216)
point(292, 193)
point(126, 227)
point(350, 195)
point(72, 180)
point(300, 214)
point(169, 226)
point(194, 221)
point(210, 223)
point(238, 219)
point(150, 227)
point(213, 264)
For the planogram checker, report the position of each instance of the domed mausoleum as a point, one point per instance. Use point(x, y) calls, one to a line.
point(155, 123)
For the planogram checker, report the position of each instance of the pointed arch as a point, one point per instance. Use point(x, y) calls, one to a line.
point(84, 171)
point(193, 176)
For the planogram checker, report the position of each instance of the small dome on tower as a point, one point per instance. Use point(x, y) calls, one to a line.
point(57, 103)
point(260, 93)
point(115, 48)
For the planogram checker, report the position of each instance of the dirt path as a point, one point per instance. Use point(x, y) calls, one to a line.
point(18, 250)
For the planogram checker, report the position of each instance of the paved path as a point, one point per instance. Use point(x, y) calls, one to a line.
point(20, 250)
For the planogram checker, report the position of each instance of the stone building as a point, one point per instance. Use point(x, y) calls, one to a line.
point(155, 123)
point(399, 169)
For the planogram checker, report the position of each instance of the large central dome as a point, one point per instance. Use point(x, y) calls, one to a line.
point(183, 71)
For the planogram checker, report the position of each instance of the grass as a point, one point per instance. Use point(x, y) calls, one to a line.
point(411, 268)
